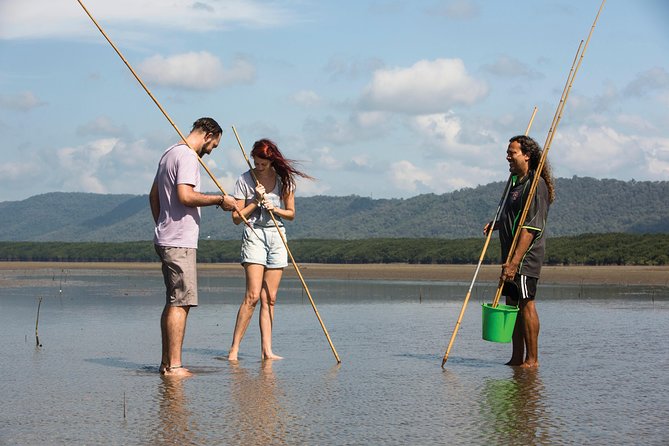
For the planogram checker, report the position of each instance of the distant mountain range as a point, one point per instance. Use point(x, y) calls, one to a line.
point(582, 205)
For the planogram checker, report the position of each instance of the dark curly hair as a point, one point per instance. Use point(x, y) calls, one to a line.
point(530, 147)
point(207, 125)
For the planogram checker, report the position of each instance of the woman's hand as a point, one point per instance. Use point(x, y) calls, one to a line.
point(260, 192)
point(267, 204)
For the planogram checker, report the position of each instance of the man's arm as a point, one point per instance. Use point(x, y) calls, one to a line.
point(188, 196)
point(510, 268)
point(154, 201)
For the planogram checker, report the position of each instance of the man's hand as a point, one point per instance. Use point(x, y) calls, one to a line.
point(488, 227)
point(229, 203)
point(509, 271)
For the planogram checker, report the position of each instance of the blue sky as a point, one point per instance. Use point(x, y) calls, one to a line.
point(374, 98)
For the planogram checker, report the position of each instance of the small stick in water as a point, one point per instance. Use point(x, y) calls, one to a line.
point(39, 304)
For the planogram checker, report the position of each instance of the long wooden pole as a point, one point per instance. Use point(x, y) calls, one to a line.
point(292, 259)
point(483, 251)
point(500, 285)
point(155, 101)
point(549, 139)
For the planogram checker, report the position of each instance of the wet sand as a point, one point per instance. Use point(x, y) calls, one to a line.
point(587, 275)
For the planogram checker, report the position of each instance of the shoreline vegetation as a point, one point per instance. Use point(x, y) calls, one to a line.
point(624, 275)
point(586, 249)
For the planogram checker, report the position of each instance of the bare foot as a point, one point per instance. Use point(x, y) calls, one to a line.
point(177, 371)
point(514, 362)
point(232, 356)
point(529, 364)
point(272, 356)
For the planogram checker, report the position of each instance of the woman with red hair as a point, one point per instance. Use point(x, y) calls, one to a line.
point(264, 256)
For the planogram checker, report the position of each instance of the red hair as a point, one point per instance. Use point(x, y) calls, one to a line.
point(284, 167)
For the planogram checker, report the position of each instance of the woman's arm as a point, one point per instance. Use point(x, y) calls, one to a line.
point(245, 210)
point(288, 211)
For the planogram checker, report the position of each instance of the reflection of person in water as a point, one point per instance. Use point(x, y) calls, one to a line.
point(175, 418)
point(261, 420)
point(514, 409)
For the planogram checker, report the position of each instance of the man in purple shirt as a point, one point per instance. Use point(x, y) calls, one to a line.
point(175, 200)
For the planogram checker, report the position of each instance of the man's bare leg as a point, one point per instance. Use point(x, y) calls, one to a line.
point(517, 340)
point(530, 333)
point(173, 329)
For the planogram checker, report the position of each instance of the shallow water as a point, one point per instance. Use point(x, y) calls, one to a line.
point(603, 377)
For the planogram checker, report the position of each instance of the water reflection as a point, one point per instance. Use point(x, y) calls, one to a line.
point(176, 423)
point(513, 411)
point(259, 418)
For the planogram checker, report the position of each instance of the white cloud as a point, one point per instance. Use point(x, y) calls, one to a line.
point(23, 101)
point(440, 177)
point(307, 98)
point(195, 70)
point(406, 176)
point(603, 152)
point(425, 87)
point(356, 127)
point(371, 119)
point(444, 127)
point(20, 19)
point(655, 79)
point(307, 188)
point(18, 170)
point(592, 151)
point(359, 162)
point(324, 159)
point(634, 122)
point(455, 174)
point(345, 68)
point(445, 132)
point(102, 125)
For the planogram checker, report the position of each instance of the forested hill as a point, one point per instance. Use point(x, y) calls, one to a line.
point(582, 205)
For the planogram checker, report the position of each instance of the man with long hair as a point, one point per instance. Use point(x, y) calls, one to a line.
point(522, 270)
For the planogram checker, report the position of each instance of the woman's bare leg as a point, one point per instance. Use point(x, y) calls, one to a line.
point(254, 281)
point(271, 282)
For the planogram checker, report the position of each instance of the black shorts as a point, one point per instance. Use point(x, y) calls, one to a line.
point(523, 287)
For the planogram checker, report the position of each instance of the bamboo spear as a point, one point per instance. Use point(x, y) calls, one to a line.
point(292, 259)
point(146, 89)
point(483, 251)
point(549, 139)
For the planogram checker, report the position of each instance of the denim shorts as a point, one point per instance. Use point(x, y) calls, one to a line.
point(180, 275)
point(266, 249)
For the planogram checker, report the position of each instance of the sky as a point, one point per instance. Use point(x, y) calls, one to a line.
point(381, 99)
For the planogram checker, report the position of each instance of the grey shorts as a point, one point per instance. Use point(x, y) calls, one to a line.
point(523, 287)
point(267, 249)
point(180, 275)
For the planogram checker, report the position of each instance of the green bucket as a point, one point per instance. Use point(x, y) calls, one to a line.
point(498, 322)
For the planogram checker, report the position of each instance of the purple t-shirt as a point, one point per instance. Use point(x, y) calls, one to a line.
point(178, 225)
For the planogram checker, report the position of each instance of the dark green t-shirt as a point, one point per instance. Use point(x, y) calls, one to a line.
point(535, 222)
